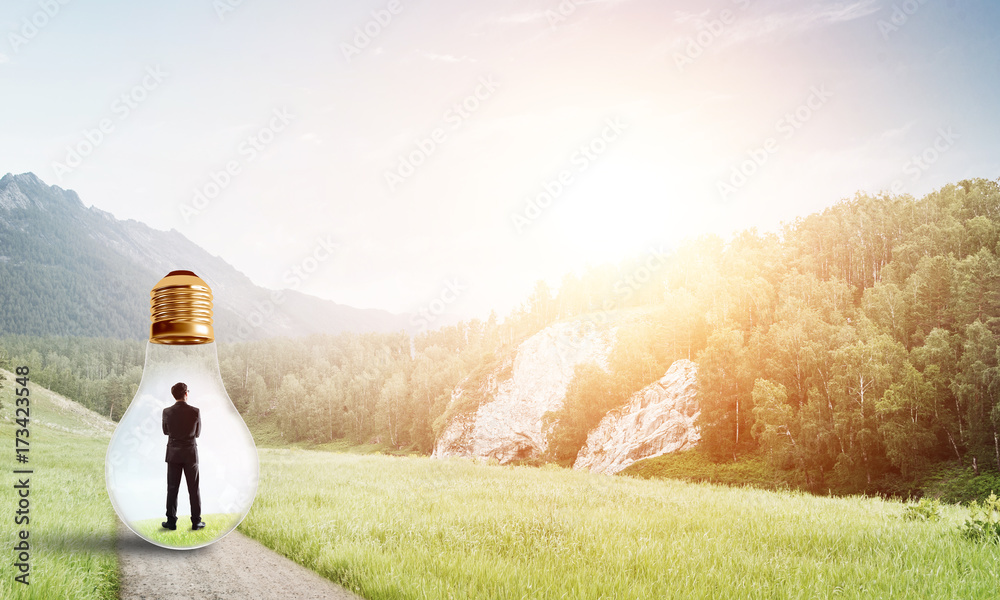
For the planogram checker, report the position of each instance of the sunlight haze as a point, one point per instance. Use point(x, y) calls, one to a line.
point(424, 150)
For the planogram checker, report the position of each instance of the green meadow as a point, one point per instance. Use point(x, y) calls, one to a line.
point(411, 527)
point(72, 527)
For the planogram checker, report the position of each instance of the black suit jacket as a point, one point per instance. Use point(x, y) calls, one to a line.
point(182, 423)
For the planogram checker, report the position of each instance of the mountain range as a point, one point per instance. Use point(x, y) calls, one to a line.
point(70, 270)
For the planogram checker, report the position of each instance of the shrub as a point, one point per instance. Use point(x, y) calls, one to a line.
point(958, 485)
point(983, 524)
point(926, 510)
point(696, 466)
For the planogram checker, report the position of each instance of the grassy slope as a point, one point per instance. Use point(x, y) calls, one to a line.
point(72, 525)
point(420, 528)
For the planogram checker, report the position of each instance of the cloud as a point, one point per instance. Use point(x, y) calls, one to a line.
point(801, 21)
point(857, 10)
point(780, 23)
point(889, 134)
point(3, 58)
point(683, 18)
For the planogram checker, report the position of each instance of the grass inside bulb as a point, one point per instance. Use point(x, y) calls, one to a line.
point(181, 349)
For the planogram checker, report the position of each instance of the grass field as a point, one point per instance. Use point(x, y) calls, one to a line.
point(72, 528)
point(408, 527)
point(183, 536)
point(411, 527)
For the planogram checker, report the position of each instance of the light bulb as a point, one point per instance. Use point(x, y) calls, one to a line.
point(181, 349)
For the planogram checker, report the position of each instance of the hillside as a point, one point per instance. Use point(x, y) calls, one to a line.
point(75, 271)
point(858, 349)
point(54, 411)
point(855, 351)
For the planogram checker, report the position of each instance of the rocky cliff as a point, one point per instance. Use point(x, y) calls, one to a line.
point(507, 425)
point(657, 420)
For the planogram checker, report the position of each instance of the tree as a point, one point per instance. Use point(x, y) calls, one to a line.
point(291, 394)
point(906, 414)
point(975, 387)
point(393, 397)
point(937, 359)
point(930, 289)
point(589, 396)
point(888, 307)
point(774, 422)
point(977, 285)
point(726, 413)
point(863, 371)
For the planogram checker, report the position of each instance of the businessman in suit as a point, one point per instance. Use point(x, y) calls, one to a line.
point(182, 424)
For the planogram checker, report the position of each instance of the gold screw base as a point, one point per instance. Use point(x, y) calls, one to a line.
point(181, 310)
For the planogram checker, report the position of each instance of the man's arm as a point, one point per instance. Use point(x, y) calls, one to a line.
point(197, 425)
point(166, 430)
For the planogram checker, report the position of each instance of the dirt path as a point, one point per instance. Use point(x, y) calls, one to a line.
point(234, 568)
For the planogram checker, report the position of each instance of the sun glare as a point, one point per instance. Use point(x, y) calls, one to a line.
point(624, 208)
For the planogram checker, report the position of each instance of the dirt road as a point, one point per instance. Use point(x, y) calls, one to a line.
point(234, 568)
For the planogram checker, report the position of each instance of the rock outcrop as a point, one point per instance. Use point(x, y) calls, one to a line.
point(656, 420)
point(507, 425)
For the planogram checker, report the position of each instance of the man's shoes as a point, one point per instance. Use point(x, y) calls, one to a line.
point(169, 525)
point(198, 525)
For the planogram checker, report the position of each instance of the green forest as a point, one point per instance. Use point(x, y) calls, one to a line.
point(855, 349)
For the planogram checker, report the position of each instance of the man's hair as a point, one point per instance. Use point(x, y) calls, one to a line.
point(179, 390)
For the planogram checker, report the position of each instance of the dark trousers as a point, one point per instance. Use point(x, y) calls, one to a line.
point(190, 471)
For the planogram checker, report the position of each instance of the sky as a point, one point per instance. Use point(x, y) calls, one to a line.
point(406, 154)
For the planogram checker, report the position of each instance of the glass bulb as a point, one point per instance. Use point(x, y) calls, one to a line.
point(181, 349)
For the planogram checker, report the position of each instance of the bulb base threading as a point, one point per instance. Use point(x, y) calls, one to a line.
point(181, 310)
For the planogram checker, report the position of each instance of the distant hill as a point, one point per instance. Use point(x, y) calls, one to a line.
point(66, 269)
